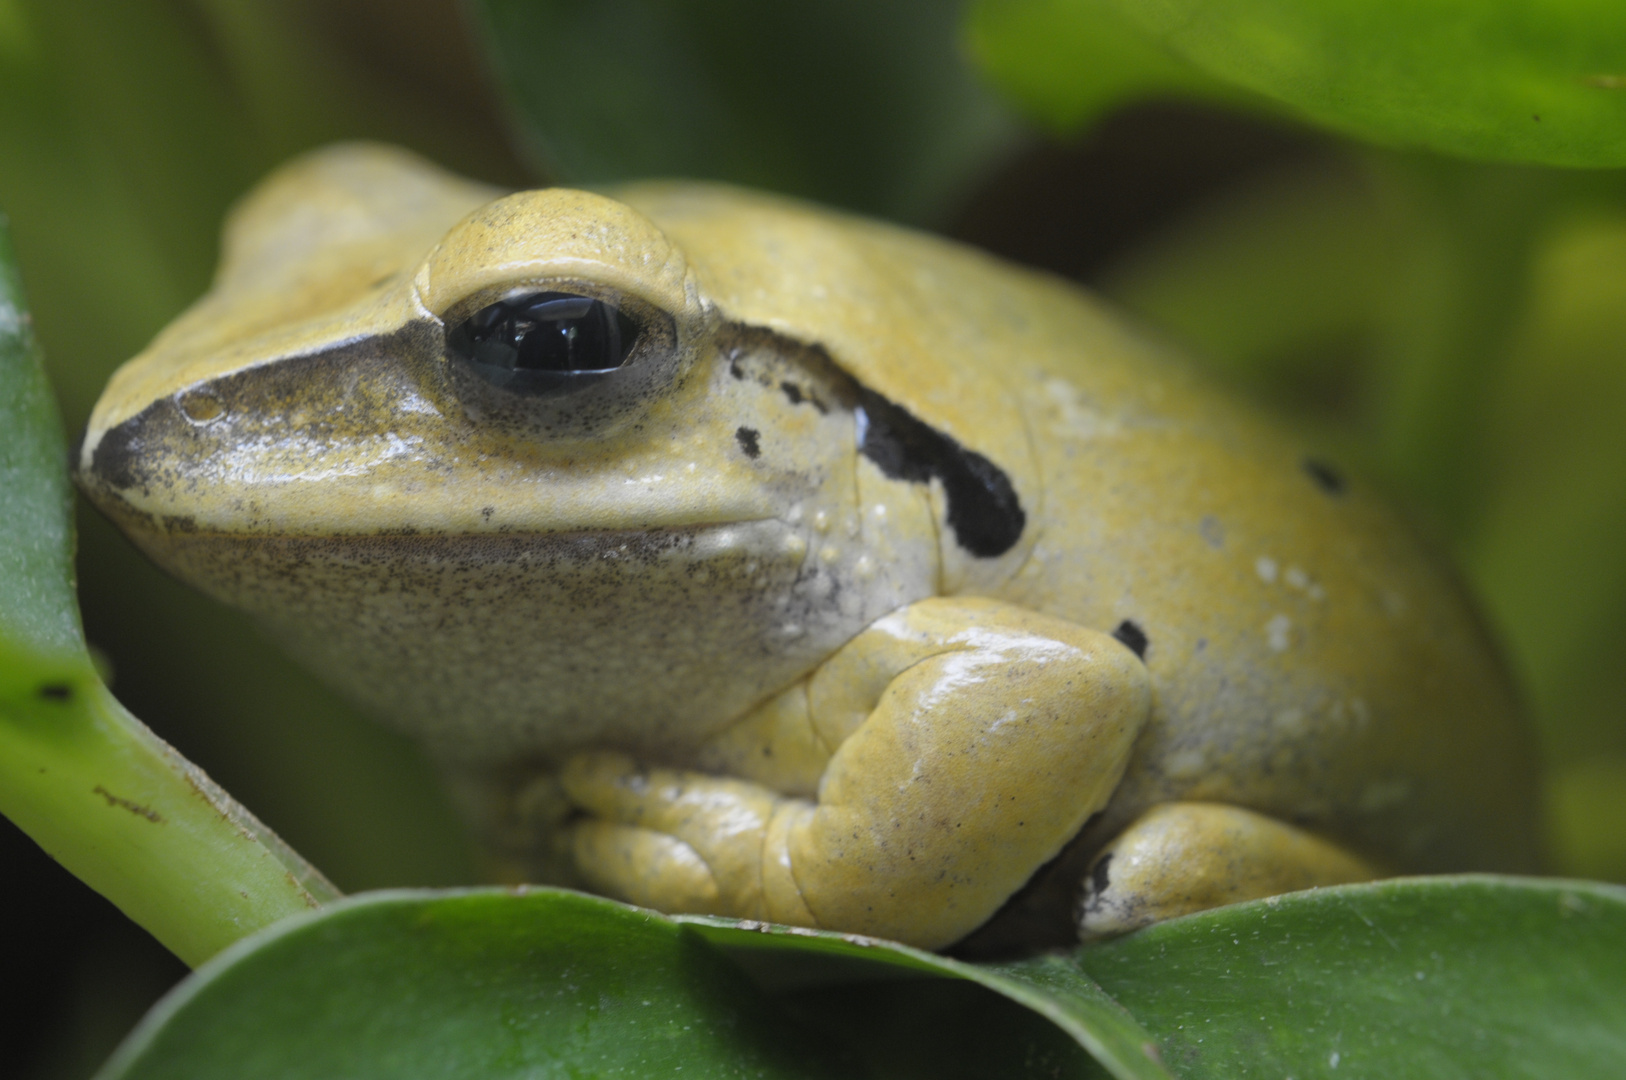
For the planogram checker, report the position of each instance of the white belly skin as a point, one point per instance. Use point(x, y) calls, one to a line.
point(502, 648)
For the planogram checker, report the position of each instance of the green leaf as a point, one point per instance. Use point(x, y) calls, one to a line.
point(479, 983)
point(1501, 80)
point(1423, 977)
point(1052, 987)
point(470, 984)
point(861, 103)
point(39, 621)
point(1066, 62)
point(96, 789)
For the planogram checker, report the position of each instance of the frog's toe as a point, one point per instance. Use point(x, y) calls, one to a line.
point(683, 841)
point(1183, 857)
point(644, 867)
point(973, 739)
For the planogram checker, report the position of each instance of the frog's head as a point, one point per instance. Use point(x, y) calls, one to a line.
point(528, 369)
point(501, 467)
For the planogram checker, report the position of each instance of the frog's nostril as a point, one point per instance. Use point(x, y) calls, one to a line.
point(200, 406)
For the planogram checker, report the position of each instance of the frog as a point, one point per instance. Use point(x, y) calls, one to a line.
point(737, 556)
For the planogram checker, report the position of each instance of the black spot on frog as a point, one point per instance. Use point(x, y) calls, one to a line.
point(1326, 477)
point(1133, 636)
point(796, 395)
point(1099, 879)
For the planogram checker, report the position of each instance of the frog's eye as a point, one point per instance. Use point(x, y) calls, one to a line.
point(543, 342)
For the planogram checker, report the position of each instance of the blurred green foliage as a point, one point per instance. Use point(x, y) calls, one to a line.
point(1458, 329)
point(854, 102)
point(1495, 80)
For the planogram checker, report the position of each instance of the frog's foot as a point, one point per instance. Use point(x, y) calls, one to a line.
point(971, 739)
point(1182, 857)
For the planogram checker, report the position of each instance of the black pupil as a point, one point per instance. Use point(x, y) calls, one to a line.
point(558, 333)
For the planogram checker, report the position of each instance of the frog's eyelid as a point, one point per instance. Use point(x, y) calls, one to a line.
point(633, 304)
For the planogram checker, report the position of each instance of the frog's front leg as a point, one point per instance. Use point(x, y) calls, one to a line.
point(1182, 857)
point(967, 741)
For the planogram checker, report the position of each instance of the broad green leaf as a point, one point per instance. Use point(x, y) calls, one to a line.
point(95, 788)
point(480, 985)
point(1066, 62)
point(1498, 80)
point(1427, 977)
point(1051, 987)
point(1422, 978)
point(547, 982)
point(861, 103)
point(39, 621)
point(942, 1029)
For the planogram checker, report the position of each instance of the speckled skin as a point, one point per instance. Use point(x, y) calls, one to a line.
point(653, 588)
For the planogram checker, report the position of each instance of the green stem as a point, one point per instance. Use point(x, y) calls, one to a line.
point(89, 782)
point(141, 825)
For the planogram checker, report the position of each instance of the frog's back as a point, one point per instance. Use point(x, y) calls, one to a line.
point(1309, 658)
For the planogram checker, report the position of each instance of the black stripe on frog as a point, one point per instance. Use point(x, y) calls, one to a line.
point(983, 509)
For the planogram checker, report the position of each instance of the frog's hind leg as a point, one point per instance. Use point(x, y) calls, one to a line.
point(1182, 857)
point(967, 742)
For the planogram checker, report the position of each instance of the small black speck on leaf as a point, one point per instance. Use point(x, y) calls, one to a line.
point(56, 692)
point(750, 441)
point(1133, 636)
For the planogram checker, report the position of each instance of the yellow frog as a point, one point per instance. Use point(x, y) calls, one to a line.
point(744, 557)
